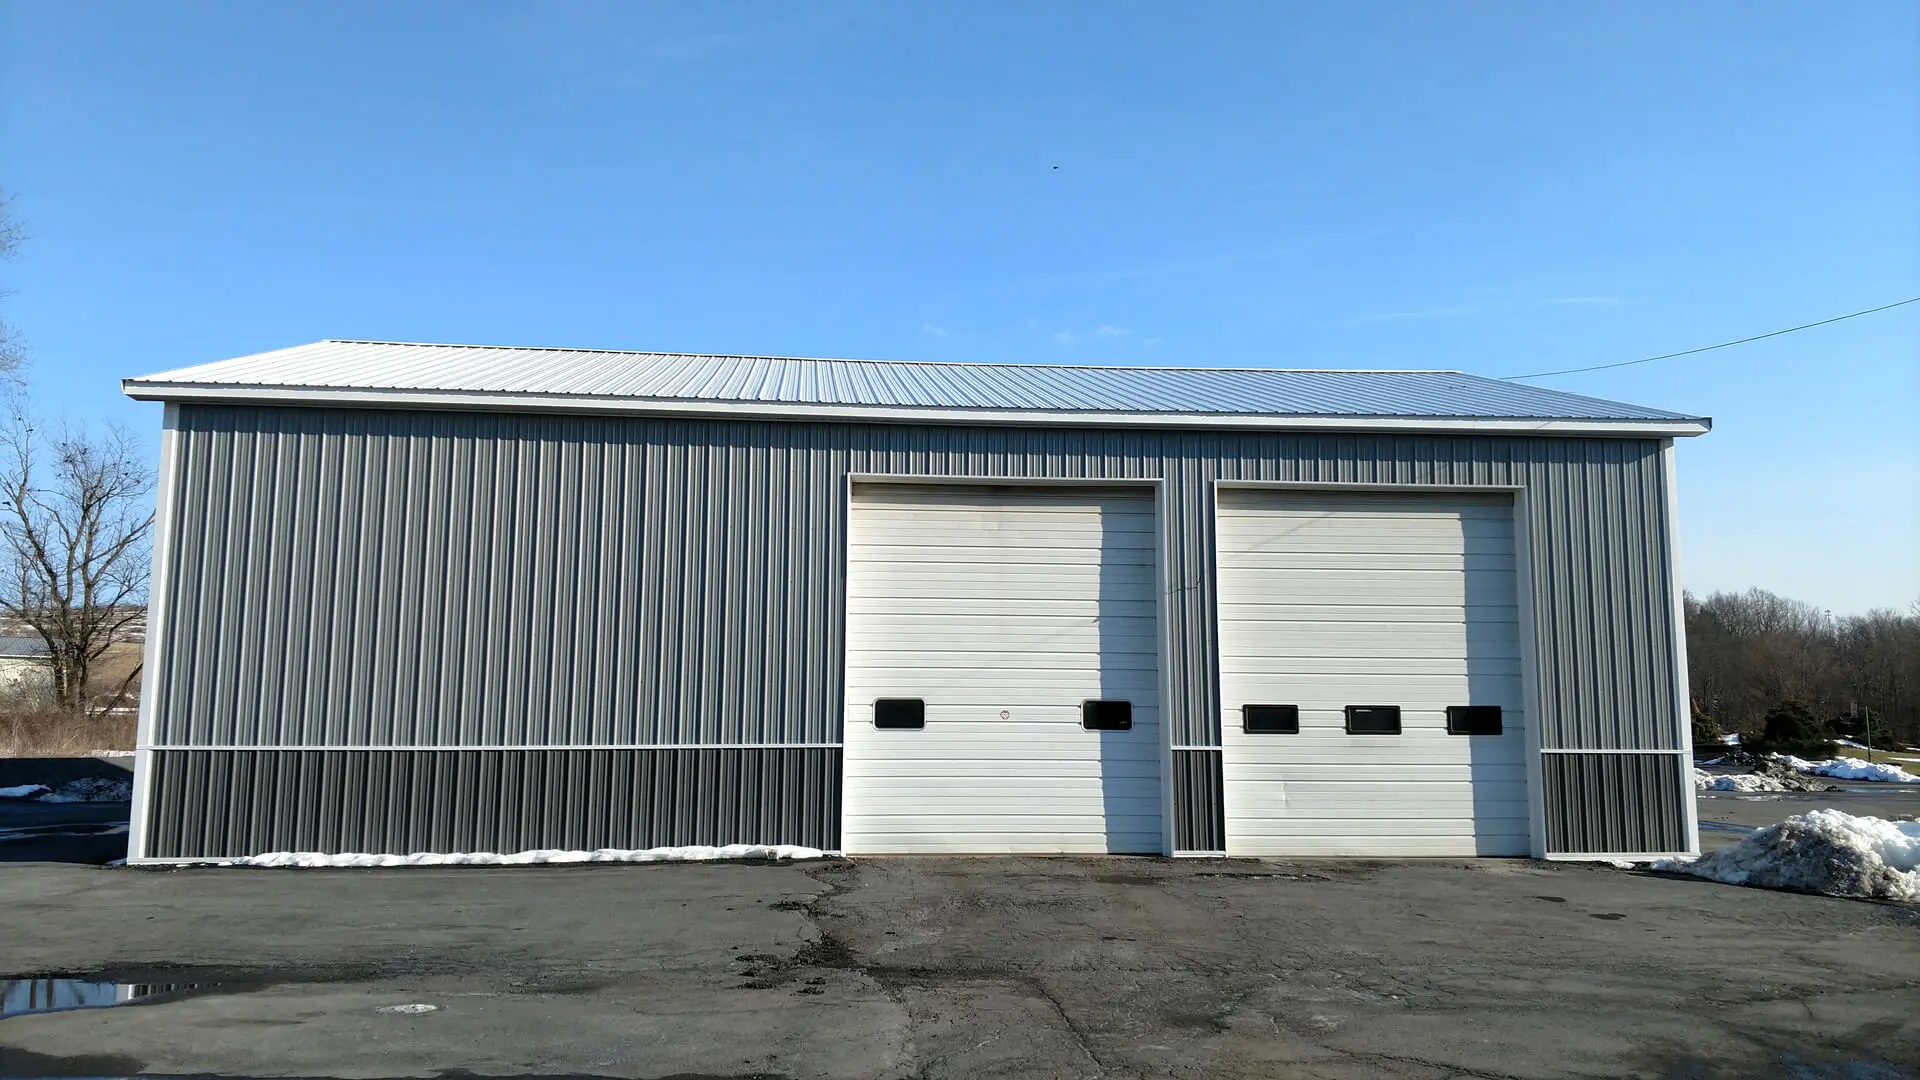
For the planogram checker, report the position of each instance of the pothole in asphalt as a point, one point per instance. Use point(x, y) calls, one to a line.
point(19, 996)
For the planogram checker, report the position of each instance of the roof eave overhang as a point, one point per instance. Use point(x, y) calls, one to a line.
point(504, 401)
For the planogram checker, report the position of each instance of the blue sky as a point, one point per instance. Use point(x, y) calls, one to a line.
point(1494, 187)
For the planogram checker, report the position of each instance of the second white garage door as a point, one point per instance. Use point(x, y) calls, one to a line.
point(1404, 602)
point(979, 623)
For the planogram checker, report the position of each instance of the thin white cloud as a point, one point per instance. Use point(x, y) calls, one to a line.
point(936, 331)
point(1110, 331)
point(1066, 337)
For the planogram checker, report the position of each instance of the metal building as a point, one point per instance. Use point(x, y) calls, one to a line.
point(455, 598)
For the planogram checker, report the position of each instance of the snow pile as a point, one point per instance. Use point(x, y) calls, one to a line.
point(1706, 781)
point(85, 789)
point(1849, 769)
point(1823, 851)
point(91, 789)
point(542, 856)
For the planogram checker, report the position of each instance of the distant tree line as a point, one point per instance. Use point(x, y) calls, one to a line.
point(1751, 653)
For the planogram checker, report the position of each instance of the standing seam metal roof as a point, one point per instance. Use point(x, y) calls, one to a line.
point(686, 377)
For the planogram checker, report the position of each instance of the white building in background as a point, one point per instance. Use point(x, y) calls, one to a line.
point(24, 665)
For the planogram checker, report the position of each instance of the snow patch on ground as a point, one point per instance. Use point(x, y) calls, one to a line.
point(91, 789)
point(1706, 781)
point(1822, 851)
point(1849, 769)
point(414, 1009)
point(543, 856)
point(85, 789)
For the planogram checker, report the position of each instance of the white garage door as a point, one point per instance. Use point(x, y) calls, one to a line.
point(1001, 610)
point(1335, 600)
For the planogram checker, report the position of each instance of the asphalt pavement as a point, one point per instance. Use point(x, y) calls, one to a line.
point(952, 967)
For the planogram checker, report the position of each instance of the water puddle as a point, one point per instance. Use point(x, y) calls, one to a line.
point(18, 996)
point(77, 828)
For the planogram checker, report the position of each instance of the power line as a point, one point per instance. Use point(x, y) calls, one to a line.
point(1722, 345)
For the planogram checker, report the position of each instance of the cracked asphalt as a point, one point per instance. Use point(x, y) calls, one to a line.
point(952, 967)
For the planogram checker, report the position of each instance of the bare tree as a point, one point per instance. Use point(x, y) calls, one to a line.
point(76, 517)
point(13, 351)
point(1748, 652)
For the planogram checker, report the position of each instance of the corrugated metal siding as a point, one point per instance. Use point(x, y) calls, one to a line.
point(435, 578)
point(1600, 803)
point(883, 383)
point(1199, 822)
point(228, 803)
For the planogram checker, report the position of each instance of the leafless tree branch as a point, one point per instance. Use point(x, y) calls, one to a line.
point(76, 519)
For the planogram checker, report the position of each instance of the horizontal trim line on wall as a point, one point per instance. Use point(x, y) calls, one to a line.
point(1617, 856)
point(502, 401)
point(1216, 749)
point(522, 746)
point(229, 861)
point(1578, 750)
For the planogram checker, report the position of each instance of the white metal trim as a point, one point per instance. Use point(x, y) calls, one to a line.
point(1215, 749)
point(1682, 691)
point(1163, 633)
point(1367, 489)
point(1525, 602)
point(510, 746)
point(508, 401)
point(1220, 854)
point(146, 724)
point(846, 624)
point(229, 864)
point(973, 480)
point(1210, 513)
point(1619, 856)
point(1604, 750)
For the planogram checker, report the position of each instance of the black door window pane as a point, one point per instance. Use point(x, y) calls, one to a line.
point(1270, 719)
point(900, 713)
point(1106, 715)
point(1373, 719)
point(1473, 719)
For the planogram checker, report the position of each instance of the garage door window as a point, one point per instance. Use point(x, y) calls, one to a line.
point(905, 714)
point(1473, 719)
point(1373, 719)
point(1106, 715)
point(1270, 719)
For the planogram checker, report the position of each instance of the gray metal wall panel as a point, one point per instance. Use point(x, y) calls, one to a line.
point(1199, 811)
point(1619, 803)
point(225, 803)
point(438, 578)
